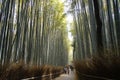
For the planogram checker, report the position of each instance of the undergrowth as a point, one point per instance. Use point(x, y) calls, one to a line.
point(18, 71)
point(98, 68)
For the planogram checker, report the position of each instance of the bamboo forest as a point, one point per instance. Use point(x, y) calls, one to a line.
point(59, 39)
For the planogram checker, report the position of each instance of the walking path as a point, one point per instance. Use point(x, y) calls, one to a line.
point(69, 76)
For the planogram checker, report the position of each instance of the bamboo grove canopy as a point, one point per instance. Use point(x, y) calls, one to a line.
point(33, 31)
point(96, 27)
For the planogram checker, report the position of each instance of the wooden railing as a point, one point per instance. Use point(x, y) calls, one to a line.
point(50, 76)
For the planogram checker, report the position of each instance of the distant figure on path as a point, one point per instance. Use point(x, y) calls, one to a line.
point(66, 69)
point(69, 73)
point(71, 69)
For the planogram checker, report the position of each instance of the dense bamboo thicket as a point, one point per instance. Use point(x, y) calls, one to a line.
point(33, 31)
point(96, 27)
point(96, 43)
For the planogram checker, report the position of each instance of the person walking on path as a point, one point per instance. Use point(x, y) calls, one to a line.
point(71, 69)
point(66, 69)
point(69, 74)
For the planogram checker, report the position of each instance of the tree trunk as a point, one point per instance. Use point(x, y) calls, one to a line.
point(99, 26)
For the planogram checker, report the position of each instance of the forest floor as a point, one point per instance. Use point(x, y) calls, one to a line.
point(69, 76)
